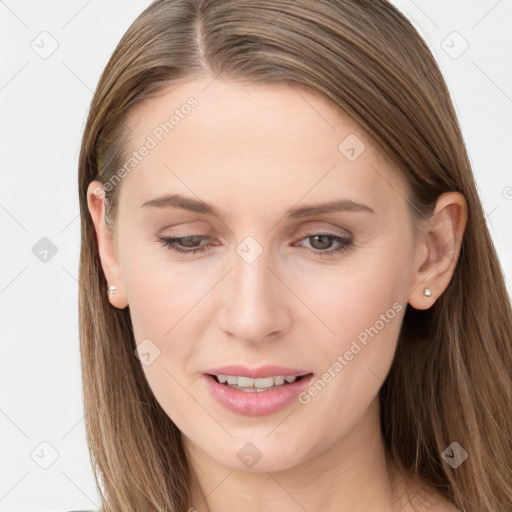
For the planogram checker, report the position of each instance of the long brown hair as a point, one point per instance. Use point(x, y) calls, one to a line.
point(451, 377)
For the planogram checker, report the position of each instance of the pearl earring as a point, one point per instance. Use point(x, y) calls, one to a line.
point(111, 290)
point(427, 292)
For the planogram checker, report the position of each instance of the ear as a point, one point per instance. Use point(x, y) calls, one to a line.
point(106, 244)
point(438, 250)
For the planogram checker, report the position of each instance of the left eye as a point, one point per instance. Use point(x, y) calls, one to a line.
point(188, 244)
point(321, 239)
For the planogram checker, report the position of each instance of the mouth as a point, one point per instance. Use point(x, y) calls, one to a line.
point(256, 385)
point(257, 392)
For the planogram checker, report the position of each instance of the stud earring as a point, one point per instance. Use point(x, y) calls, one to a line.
point(427, 292)
point(111, 290)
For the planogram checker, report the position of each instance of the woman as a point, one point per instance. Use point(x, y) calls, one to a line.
point(289, 296)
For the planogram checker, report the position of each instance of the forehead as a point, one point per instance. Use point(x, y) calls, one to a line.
point(261, 119)
point(229, 141)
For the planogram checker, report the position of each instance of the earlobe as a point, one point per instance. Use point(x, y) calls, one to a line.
point(106, 246)
point(438, 250)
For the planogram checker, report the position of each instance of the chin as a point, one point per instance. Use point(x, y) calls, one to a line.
point(258, 457)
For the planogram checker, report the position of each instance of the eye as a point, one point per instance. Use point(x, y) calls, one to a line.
point(323, 241)
point(172, 243)
point(320, 241)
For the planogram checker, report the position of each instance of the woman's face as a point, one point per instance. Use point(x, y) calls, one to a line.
point(276, 282)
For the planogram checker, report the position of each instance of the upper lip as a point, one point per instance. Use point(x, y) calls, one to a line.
point(256, 373)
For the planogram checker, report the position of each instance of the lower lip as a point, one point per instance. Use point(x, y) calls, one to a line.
point(256, 403)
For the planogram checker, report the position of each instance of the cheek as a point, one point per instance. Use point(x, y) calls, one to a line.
point(364, 290)
point(164, 306)
point(161, 293)
point(363, 303)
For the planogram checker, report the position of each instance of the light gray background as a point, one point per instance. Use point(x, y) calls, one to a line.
point(43, 104)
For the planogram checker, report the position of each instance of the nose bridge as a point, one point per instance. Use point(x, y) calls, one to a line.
point(255, 306)
point(252, 280)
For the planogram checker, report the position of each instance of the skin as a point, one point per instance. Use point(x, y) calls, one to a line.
point(255, 152)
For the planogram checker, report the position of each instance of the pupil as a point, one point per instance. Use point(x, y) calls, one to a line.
point(326, 239)
point(193, 239)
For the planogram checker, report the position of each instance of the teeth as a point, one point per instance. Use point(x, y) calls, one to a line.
point(246, 382)
point(260, 383)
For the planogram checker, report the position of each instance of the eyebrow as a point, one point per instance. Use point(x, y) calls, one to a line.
point(193, 205)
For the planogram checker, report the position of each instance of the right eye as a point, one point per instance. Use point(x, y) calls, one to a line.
point(176, 244)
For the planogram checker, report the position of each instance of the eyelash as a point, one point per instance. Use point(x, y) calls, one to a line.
point(346, 244)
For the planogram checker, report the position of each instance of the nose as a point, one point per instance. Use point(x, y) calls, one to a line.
point(256, 305)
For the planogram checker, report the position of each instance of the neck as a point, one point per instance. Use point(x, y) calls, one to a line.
point(350, 476)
